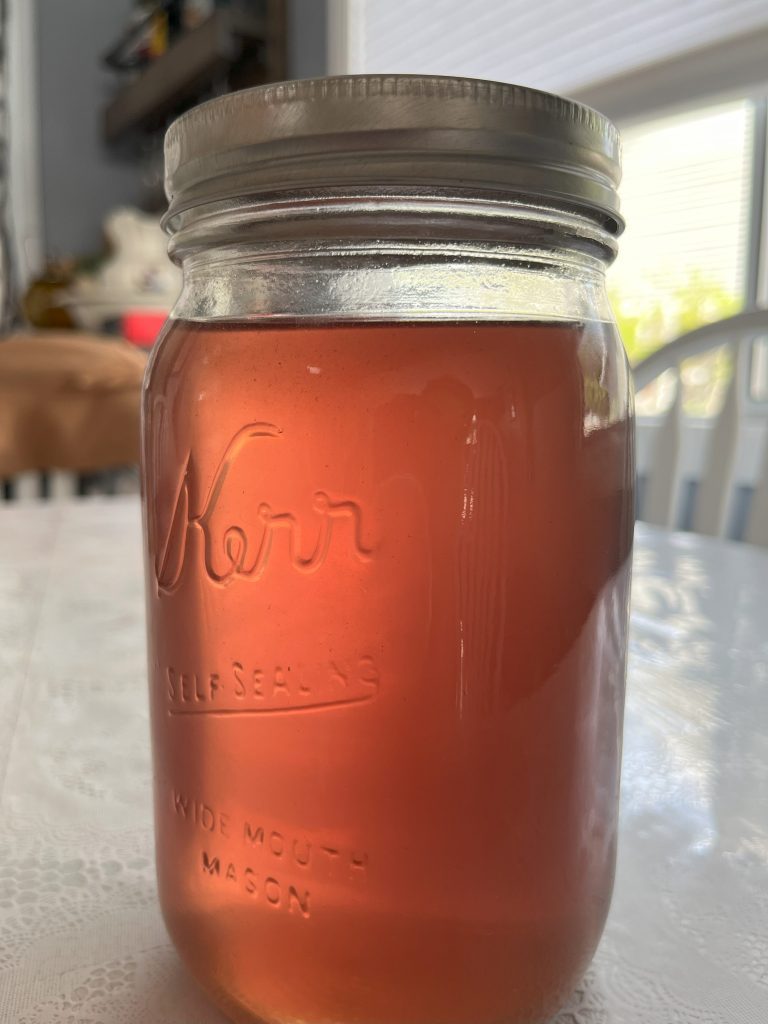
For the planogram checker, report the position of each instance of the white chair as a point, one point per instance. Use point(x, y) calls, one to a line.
point(58, 484)
point(710, 475)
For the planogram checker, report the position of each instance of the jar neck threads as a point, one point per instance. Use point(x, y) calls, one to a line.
point(391, 257)
point(388, 217)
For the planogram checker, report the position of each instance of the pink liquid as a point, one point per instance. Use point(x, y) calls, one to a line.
point(388, 582)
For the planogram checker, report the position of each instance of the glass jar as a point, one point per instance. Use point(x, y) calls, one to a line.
point(388, 483)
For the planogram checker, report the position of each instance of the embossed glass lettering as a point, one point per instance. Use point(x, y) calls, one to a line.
point(248, 557)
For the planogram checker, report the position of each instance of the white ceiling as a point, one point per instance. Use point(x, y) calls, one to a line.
point(561, 45)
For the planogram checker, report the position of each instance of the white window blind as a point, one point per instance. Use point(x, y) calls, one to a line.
point(683, 260)
point(685, 196)
point(553, 44)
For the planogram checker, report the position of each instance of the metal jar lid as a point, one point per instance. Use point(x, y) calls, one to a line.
point(394, 131)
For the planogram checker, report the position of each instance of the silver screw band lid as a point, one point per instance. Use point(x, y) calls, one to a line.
point(390, 132)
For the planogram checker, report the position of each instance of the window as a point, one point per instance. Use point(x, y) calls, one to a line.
point(687, 195)
point(693, 182)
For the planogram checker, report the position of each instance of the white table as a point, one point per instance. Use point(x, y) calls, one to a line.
point(81, 938)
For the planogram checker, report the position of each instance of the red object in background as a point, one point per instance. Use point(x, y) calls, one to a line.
point(141, 327)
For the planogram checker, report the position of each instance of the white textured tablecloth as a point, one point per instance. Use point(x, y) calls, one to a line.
point(81, 940)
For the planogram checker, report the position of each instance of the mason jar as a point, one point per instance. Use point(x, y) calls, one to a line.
point(388, 494)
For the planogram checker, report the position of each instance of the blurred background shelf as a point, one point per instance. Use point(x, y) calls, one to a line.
point(232, 49)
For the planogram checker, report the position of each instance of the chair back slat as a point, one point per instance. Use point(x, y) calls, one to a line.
point(662, 489)
point(63, 484)
point(713, 495)
point(756, 531)
point(26, 486)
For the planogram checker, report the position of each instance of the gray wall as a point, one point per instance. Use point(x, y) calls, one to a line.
point(80, 180)
point(307, 56)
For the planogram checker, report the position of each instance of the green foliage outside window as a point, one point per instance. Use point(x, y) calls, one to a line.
point(692, 302)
